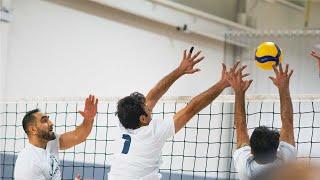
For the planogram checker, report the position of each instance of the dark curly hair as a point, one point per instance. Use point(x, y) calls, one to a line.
point(264, 144)
point(129, 110)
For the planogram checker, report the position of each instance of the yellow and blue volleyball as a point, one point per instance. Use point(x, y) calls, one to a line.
point(267, 54)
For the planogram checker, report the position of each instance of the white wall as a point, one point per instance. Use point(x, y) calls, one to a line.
point(314, 21)
point(83, 47)
point(277, 16)
point(3, 55)
point(225, 9)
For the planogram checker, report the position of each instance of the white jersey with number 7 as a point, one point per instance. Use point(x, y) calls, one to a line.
point(138, 152)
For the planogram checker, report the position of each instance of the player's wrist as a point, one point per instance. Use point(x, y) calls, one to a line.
point(180, 71)
point(239, 92)
point(283, 89)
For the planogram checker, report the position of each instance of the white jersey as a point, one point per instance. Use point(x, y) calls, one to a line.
point(247, 167)
point(138, 152)
point(37, 163)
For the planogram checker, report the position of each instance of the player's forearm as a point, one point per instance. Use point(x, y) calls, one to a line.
point(286, 133)
point(162, 87)
point(204, 99)
point(240, 119)
point(286, 107)
point(83, 131)
point(196, 105)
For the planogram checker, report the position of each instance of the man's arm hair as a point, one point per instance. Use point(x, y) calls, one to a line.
point(240, 87)
point(287, 132)
point(186, 67)
point(161, 88)
point(282, 80)
point(77, 136)
point(204, 99)
point(80, 134)
point(196, 105)
point(240, 120)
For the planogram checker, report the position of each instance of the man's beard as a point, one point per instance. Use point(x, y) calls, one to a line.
point(46, 135)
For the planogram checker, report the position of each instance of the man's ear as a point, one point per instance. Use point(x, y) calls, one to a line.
point(143, 120)
point(32, 129)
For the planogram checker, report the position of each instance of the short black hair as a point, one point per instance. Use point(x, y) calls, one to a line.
point(264, 144)
point(28, 119)
point(129, 110)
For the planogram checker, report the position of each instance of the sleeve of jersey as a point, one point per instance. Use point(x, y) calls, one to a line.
point(287, 151)
point(240, 158)
point(163, 129)
point(54, 145)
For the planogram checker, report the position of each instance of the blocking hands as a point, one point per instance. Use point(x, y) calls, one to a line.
point(282, 78)
point(234, 77)
point(189, 61)
point(90, 108)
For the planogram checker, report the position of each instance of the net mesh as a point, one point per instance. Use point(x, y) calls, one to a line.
point(201, 150)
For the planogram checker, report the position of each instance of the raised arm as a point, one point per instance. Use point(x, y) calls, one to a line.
point(80, 134)
point(202, 100)
point(282, 82)
point(240, 87)
point(186, 67)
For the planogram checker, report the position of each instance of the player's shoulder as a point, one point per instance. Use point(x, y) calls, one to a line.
point(244, 151)
point(284, 144)
point(28, 156)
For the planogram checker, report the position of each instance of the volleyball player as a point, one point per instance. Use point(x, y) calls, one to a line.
point(141, 139)
point(265, 147)
point(39, 160)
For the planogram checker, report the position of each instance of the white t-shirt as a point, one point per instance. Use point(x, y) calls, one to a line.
point(37, 163)
point(247, 167)
point(138, 152)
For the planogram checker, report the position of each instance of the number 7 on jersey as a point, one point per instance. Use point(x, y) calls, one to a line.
point(126, 144)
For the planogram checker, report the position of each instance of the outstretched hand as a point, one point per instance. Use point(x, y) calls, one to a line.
point(237, 83)
point(189, 61)
point(232, 71)
point(315, 55)
point(282, 77)
point(90, 108)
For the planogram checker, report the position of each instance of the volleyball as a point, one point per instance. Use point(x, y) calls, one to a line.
point(267, 54)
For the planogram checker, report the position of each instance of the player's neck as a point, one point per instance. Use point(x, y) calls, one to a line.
point(40, 143)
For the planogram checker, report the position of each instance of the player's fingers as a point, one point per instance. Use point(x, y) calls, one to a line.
point(190, 52)
point(276, 71)
point(82, 113)
point(248, 83)
point(286, 69)
point(195, 56)
point(235, 66)
point(245, 75)
point(242, 68)
point(290, 74)
point(224, 68)
point(93, 100)
point(87, 101)
point(198, 60)
point(96, 103)
point(272, 79)
point(280, 68)
point(184, 54)
point(193, 71)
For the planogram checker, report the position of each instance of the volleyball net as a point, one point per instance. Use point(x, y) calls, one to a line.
point(201, 150)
